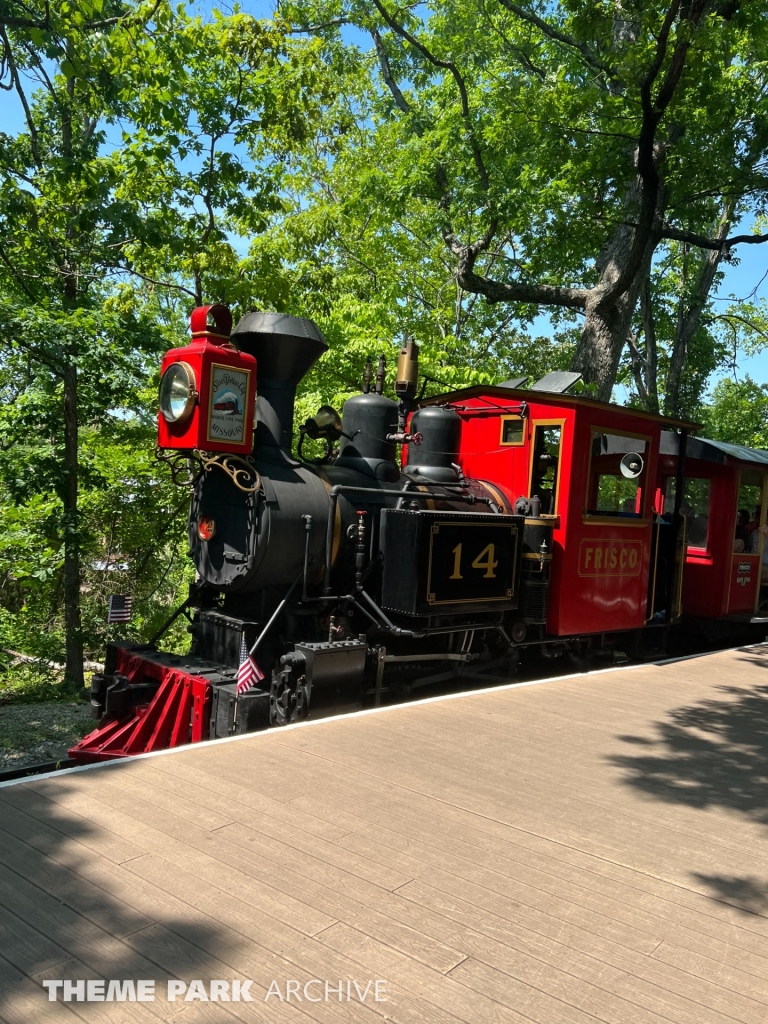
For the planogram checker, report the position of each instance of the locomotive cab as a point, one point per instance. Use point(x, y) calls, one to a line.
point(588, 469)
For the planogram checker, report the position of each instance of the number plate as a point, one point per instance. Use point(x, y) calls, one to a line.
point(471, 562)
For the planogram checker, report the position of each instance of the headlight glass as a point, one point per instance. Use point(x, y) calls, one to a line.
point(177, 392)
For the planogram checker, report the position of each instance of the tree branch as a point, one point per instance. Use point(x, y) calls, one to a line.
point(689, 318)
point(16, 276)
point(741, 319)
point(108, 22)
point(333, 23)
point(7, 22)
point(386, 73)
point(637, 367)
point(558, 36)
point(651, 347)
point(152, 280)
point(517, 291)
point(441, 176)
point(33, 55)
point(33, 139)
point(447, 65)
point(702, 242)
point(55, 368)
point(649, 154)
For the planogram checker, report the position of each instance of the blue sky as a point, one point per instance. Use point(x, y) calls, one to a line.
point(749, 279)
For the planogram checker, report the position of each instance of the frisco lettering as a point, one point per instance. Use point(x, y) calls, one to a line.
point(610, 558)
point(90, 990)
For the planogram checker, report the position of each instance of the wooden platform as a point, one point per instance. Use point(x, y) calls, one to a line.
point(593, 848)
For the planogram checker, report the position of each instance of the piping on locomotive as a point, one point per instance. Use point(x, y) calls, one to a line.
point(429, 541)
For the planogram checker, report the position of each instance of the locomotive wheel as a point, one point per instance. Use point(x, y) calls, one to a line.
point(288, 698)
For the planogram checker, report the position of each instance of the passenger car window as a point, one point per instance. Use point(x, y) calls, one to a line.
point(694, 505)
point(748, 512)
point(616, 475)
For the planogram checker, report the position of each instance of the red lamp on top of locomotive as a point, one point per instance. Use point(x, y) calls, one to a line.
point(208, 389)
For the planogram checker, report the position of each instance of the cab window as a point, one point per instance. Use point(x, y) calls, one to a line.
point(616, 475)
point(546, 464)
point(512, 432)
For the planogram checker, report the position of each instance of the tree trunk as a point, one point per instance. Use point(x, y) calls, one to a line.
point(689, 318)
point(73, 670)
point(607, 325)
point(602, 340)
point(651, 348)
point(72, 624)
point(609, 311)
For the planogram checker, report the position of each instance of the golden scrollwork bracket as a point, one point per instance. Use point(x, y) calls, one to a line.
point(238, 468)
point(184, 471)
point(186, 468)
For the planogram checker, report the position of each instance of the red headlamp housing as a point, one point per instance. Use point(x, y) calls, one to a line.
point(207, 389)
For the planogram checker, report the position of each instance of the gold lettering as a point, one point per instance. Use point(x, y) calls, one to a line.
point(456, 564)
point(623, 559)
point(489, 565)
point(613, 558)
point(598, 558)
point(587, 557)
point(632, 557)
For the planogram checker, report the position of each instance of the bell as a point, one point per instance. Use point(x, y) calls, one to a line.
point(325, 423)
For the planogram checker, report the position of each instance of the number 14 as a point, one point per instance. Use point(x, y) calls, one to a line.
point(489, 564)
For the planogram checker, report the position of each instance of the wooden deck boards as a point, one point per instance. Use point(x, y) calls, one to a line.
point(591, 849)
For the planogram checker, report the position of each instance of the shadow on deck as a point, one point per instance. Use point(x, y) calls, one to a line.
point(77, 901)
point(712, 754)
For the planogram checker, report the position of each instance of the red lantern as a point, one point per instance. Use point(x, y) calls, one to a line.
point(208, 389)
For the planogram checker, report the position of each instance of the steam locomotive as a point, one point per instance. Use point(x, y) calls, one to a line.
point(433, 537)
point(327, 571)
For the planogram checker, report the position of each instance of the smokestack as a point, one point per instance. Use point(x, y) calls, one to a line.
point(286, 348)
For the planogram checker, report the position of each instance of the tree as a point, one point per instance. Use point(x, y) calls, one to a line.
point(98, 231)
point(54, 193)
point(124, 506)
point(738, 413)
point(555, 149)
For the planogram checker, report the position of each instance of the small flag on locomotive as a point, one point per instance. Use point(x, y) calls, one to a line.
point(249, 673)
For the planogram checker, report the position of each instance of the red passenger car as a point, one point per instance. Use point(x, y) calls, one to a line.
point(722, 483)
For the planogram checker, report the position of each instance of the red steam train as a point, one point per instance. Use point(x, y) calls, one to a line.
point(436, 536)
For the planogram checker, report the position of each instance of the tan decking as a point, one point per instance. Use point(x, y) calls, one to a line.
point(593, 848)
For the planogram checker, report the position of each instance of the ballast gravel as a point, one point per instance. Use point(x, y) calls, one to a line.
point(38, 733)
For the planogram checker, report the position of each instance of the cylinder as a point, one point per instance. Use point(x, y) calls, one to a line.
point(433, 459)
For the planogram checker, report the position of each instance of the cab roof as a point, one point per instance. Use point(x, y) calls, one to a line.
point(507, 394)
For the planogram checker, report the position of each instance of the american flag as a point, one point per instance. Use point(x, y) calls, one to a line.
point(119, 608)
point(249, 673)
